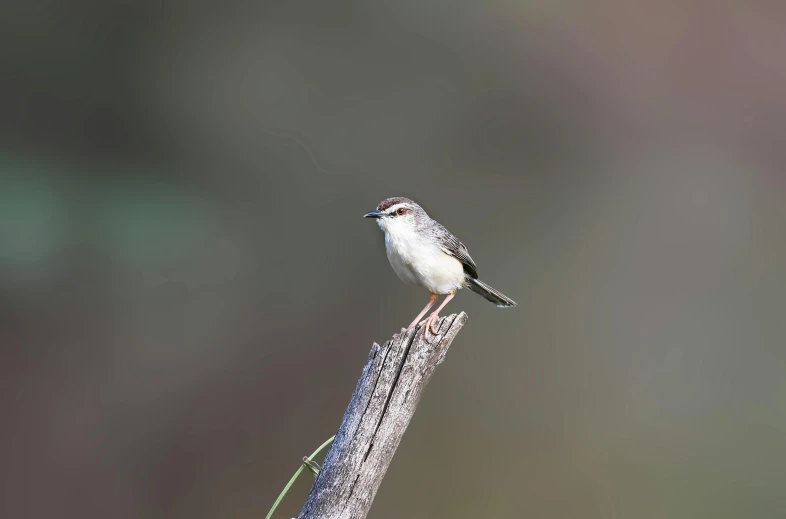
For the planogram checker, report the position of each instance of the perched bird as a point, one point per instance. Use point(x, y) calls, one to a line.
point(423, 252)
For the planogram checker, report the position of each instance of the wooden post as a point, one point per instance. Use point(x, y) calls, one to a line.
point(381, 407)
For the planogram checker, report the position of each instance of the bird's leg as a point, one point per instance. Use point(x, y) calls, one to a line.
point(435, 314)
point(421, 314)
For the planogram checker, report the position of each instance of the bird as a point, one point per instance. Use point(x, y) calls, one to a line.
point(423, 252)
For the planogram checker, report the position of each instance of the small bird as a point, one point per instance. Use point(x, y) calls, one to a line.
point(423, 252)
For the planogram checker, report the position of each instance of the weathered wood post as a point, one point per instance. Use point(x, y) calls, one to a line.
point(381, 407)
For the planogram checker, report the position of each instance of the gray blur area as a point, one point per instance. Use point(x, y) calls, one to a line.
point(188, 290)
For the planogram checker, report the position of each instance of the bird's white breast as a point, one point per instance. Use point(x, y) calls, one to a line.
point(419, 260)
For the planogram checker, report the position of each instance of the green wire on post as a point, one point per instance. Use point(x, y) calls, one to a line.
point(292, 480)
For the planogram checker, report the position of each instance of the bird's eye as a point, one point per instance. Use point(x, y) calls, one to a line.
point(401, 211)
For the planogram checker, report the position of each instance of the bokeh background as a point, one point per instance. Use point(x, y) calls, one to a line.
point(188, 291)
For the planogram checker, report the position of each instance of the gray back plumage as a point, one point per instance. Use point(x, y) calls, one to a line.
point(451, 245)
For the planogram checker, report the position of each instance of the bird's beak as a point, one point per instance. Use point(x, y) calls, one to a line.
point(373, 214)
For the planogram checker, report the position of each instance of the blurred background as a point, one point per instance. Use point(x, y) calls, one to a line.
point(188, 291)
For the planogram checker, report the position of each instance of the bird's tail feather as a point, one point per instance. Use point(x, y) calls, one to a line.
point(496, 297)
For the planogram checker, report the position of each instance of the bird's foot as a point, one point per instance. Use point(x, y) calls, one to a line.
point(429, 321)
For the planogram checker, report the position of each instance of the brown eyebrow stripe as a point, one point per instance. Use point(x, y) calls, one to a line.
point(393, 201)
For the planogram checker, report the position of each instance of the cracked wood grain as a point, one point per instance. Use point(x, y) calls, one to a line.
point(378, 414)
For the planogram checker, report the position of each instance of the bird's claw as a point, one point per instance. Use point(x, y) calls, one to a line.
point(430, 323)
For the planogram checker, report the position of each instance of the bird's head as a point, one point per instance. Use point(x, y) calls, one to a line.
point(398, 214)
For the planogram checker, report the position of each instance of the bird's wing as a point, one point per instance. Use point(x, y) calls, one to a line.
point(453, 247)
